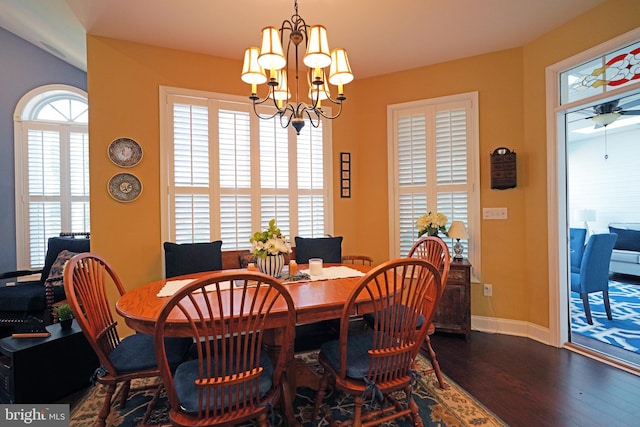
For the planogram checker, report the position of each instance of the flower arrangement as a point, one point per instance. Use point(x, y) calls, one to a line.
point(431, 224)
point(270, 241)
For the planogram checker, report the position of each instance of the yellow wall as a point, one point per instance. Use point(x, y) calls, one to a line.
point(123, 81)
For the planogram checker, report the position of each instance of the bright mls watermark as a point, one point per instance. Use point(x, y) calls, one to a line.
point(34, 415)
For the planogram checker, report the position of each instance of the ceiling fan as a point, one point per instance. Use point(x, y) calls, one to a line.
point(608, 112)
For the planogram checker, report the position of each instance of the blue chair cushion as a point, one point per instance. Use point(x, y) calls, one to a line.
point(136, 352)
point(357, 354)
point(369, 318)
point(187, 393)
point(190, 258)
point(327, 248)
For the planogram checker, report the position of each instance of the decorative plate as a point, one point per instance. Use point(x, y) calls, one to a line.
point(125, 152)
point(124, 187)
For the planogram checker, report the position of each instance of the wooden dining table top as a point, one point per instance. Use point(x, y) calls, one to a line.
point(314, 301)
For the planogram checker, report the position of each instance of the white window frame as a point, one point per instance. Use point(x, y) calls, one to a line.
point(473, 252)
point(167, 94)
point(23, 123)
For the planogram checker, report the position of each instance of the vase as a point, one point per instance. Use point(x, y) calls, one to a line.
point(271, 264)
point(66, 324)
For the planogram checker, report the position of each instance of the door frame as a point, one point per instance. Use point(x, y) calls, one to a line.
point(557, 218)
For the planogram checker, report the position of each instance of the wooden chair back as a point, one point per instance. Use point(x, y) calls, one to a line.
point(402, 295)
point(87, 277)
point(434, 250)
point(357, 259)
point(398, 293)
point(229, 314)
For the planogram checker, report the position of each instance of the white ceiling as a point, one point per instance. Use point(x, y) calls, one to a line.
point(381, 36)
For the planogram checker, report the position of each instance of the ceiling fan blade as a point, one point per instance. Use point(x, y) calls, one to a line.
point(631, 112)
point(630, 104)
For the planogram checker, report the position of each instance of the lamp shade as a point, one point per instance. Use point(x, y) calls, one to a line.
point(252, 72)
point(340, 70)
point(318, 54)
point(458, 230)
point(281, 92)
point(606, 118)
point(271, 53)
point(322, 90)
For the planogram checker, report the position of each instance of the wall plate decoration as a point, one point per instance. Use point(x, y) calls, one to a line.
point(124, 187)
point(125, 152)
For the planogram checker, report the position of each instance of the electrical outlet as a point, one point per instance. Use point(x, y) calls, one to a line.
point(487, 290)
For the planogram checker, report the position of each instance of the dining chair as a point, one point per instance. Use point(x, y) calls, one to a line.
point(327, 248)
point(577, 238)
point(232, 379)
point(374, 363)
point(594, 272)
point(87, 279)
point(187, 258)
point(357, 259)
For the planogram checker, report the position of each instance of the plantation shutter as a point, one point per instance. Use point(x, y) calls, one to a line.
point(232, 173)
point(191, 202)
point(44, 190)
point(430, 152)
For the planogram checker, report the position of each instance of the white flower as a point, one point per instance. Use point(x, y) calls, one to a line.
point(270, 241)
point(431, 224)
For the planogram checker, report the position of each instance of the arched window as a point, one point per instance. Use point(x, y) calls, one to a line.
point(52, 168)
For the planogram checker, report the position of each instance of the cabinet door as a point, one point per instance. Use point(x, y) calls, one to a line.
point(453, 311)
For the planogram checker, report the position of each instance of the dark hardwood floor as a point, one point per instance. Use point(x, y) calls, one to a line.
point(527, 383)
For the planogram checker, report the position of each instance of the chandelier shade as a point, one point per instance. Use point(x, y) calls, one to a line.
point(252, 72)
point(271, 53)
point(318, 55)
point(278, 54)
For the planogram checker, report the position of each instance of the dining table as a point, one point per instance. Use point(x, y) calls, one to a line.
point(316, 298)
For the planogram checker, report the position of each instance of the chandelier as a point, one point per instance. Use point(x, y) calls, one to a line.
point(271, 56)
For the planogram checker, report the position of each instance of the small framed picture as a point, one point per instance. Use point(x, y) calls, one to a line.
point(345, 175)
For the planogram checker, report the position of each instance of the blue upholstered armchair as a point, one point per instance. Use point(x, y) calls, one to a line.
point(577, 237)
point(26, 300)
point(594, 271)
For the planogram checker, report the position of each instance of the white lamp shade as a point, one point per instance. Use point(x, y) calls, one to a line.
point(252, 72)
point(340, 71)
point(323, 92)
point(281, 92)
point(606, 118)
point(318, 54)
point(458, 230)
point(271, 54)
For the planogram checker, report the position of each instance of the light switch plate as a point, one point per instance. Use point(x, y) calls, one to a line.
point(494, 213)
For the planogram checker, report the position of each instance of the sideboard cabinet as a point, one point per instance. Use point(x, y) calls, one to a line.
point(453, 314)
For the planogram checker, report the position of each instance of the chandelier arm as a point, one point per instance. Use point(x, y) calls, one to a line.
point(320, 112)
point(306, 110)
point(261, 116)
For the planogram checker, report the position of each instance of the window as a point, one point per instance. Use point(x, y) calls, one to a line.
point(228, 173)
point(433, 163)
point(607, 72)
point(52, 169)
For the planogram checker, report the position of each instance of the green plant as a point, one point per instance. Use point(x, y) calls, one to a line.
point(270, 241)
point(64, 312)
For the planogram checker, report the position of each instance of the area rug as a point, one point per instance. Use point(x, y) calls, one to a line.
point(624, 330)
point(451, 407)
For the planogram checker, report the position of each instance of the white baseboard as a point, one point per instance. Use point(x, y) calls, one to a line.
point(518, 328)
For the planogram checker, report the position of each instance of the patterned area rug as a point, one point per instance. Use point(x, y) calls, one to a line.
point(451, 407)
point(624, 330)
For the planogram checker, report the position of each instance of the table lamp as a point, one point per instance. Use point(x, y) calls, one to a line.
point(458, 231)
